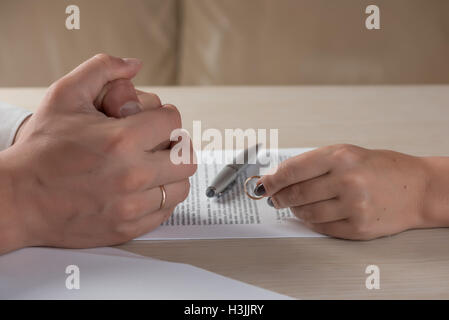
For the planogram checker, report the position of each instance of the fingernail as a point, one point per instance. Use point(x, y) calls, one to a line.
point(132, 61)
point(259, 190)
point(130, 108)
point(270, 202)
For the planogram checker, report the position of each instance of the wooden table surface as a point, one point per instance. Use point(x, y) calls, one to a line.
point(411, 119)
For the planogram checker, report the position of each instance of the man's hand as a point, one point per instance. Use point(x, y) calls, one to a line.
point(355, 193)
point(82, 179)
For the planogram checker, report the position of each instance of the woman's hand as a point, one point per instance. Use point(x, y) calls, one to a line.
point(77, 178)
point(354, 193)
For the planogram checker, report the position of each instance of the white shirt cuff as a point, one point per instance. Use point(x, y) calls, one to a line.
point(11, 118)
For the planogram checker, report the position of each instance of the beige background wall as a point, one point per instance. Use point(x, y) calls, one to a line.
point(214, 42)
point(36, 48)
point(314, 42)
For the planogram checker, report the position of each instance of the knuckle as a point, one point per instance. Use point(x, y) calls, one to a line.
point(104, 59)
point(295, 194)
point(361, 213)
point(347, 154)
point(288, 197)
point(284, 171)
point(155, 97)
point(360, 207)
point(282, 200)
point(55, 90)
point(131, 180)
point(186, 169)
point(126, 231)
point(354, 180)
point(360, 222)
point(118, 140)
point(360, 229)
point(174, 116)
point(127, 210)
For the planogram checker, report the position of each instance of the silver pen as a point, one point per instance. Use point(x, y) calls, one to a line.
point(230, 172)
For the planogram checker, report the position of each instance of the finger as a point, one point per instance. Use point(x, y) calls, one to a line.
point(153, 127)
point(152, 221)
point(118, 99)
point(152, 101)
point(146, 224)
point(297, 169)
point(321, 188)
point(135, 206)
point(86, 81)
point(339, 229)
point(167, 171)
point(149, 100)
point(321, 212)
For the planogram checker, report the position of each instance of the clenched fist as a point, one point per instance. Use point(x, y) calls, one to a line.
point(76, 177)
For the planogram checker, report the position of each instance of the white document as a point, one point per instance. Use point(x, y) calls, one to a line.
point(232, 215)
point(107, 273)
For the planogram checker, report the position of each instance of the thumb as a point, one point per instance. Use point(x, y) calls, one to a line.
point(86, 82)
point(118, 99)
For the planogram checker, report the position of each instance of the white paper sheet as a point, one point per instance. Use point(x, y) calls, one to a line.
point(107, 273)
point(233, 215)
